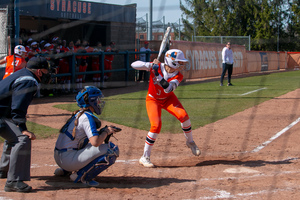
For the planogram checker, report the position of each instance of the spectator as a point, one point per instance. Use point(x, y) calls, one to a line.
point(143, 75)
point(17, 92)
point(227, 63)
point(14, 62)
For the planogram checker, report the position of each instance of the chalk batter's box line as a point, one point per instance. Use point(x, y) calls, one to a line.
point(263, 145)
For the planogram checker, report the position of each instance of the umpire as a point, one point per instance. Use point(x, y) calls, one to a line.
point(16, 94)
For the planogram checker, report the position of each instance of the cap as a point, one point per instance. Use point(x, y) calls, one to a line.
point(34, 43)
point(146, 42)
point(37, 63)
point(47, 45)
point(55, 39)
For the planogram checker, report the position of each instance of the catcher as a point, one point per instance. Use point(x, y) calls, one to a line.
point(80, 147)
point(164, 79)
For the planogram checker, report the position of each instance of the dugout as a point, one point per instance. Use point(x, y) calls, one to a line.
point(73, 19)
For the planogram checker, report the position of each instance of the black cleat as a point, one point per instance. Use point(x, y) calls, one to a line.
point(17, 186)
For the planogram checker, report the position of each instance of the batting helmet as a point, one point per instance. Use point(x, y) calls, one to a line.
point(91, 96)
point(173, 56)
point(19, 49)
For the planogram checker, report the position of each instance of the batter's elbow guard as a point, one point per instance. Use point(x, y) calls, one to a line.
point(170, 88)
point(164, 84)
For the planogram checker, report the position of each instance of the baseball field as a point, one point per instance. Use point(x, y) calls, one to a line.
point(248, 135)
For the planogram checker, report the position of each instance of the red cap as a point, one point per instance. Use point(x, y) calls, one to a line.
point(146, 42)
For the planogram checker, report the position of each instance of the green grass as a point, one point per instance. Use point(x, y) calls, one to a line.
point(205, 102)
point(40, 131)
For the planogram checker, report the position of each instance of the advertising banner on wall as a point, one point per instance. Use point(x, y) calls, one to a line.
point(77, 10)
point(205, 59)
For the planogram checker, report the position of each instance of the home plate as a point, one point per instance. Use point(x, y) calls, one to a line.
point(240, 170)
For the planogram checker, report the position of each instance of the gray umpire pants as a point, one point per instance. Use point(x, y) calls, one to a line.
point(16, 155)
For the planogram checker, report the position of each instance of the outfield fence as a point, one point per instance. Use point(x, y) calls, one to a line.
point(204, 61)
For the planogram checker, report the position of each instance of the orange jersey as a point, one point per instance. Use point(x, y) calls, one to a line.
point(157, 98)
point(20, 63)
point(155, 90)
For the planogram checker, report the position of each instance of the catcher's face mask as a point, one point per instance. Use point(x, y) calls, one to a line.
point(98, 104)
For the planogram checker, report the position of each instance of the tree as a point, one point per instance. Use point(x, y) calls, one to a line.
point(262, 19)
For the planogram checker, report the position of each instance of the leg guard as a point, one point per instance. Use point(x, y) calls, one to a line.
point(98, 165)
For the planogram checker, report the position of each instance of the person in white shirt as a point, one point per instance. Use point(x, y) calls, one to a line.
point(227, 63)
point(143, 75)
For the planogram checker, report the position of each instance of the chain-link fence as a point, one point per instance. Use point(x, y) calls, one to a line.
point(240, 40)
point(3, 33)
point(159, 26)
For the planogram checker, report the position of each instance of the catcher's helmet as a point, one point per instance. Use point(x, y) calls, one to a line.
point(173, 56)
point(91, 96)
point(19, 49)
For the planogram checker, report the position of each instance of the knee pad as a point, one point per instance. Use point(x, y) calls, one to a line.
point(98, 165)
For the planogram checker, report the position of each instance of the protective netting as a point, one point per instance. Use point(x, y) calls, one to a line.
point(3, 33)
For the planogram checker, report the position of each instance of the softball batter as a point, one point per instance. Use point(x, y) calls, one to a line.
point(164, 79)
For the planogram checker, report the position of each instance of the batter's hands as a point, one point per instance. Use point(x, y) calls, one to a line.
point(155, 67)
point(29, 134)
point(156, 61)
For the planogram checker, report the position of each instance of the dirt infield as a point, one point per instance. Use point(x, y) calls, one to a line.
point(253, 154)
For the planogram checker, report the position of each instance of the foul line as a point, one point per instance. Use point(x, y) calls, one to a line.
point(246, 92)
point(252, 91)
point(263, 145)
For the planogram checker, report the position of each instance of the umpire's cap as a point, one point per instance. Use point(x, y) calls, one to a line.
point(38, 63)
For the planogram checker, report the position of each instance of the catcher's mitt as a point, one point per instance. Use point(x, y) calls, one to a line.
point(116, 129)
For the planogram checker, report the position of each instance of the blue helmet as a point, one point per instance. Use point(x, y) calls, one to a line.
point(91, 96)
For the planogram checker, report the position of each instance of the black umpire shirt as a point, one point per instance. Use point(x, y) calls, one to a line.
point(16, 94)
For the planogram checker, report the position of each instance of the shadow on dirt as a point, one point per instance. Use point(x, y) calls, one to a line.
point(245, 163)
point(55, 183)
point(248, 163)
point(49, 115)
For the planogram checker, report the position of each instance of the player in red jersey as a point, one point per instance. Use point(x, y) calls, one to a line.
point(81, 64)
point(14, 62)
point(34, 50)
point(96, 65)
point(108, 59)
point(164, 79)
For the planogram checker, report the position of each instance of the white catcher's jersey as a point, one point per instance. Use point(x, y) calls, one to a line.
point(87, 127)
